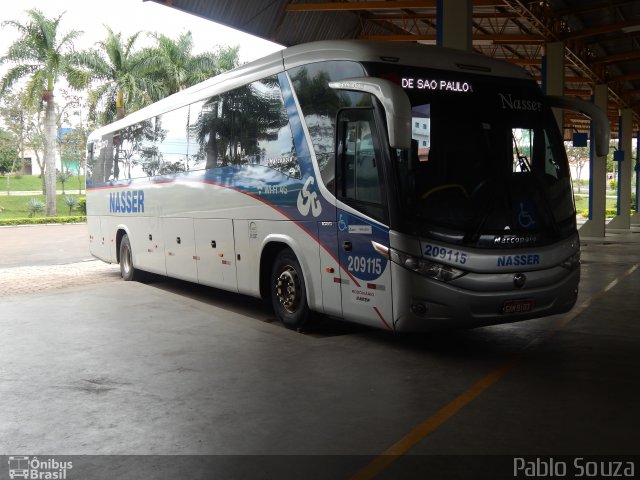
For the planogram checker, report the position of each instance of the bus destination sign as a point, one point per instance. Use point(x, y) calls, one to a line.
point(411, 83)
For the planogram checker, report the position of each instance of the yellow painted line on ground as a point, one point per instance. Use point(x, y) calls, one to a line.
point(402, 446)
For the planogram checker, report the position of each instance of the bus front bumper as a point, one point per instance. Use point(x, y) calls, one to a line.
point(422, 304)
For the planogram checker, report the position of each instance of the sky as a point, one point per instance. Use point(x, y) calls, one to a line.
point(128, 17)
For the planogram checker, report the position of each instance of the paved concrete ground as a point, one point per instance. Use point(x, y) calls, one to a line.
point(168, 368)
point(38, 245)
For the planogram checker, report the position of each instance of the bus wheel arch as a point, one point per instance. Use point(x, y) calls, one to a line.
point(119, 234)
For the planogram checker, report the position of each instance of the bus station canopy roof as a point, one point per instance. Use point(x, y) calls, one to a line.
point(602, 37)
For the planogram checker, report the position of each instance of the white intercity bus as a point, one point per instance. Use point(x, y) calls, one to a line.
point(404, 187)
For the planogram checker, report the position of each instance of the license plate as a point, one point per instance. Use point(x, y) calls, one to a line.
point(517, 306)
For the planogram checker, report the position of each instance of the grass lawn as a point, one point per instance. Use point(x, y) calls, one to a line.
point(582, 204)
point(15, 206)
point(33, 182)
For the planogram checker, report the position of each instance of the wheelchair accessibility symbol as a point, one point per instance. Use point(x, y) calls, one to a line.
point(525, 218)
point(343, 226)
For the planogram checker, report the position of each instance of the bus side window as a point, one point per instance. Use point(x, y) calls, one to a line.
point(245, 126)
point(359, 165)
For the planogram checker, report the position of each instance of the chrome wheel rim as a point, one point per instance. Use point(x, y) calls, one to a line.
point(288, 289)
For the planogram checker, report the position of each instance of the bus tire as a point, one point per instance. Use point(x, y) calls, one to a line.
point(288, 291)
point(127, 271)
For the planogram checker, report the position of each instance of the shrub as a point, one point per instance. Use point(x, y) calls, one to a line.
point(41, 220)
point(71, 202)
point(35, 206)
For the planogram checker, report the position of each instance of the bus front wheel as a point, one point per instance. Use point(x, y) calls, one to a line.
point(288, 291)
point(127, 271)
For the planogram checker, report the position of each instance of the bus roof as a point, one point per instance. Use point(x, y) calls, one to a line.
point(394, 53)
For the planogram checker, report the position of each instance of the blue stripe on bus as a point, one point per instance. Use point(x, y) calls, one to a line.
point(221, 179)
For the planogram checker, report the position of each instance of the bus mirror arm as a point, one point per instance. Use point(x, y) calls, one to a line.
point(599, 119)
point(396, 105)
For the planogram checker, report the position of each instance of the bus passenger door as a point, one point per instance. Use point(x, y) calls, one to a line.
point(362, 243)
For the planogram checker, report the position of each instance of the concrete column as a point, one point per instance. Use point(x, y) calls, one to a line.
point(635, 219)
point(595, 226)
point(553, 80)
point(625, 172)
point(454, 24)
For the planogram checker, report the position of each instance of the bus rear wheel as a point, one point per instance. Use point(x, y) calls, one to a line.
point(288, 291)
point(127, 271)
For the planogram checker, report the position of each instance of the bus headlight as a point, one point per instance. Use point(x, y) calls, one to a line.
point(436, 271)
point(572, 262)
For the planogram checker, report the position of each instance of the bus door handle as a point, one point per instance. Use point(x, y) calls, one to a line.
point(347, 245)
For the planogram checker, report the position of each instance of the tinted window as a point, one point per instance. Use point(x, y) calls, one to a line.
point(320, 105)
point(359, 178)
point(172, 132)
point(100, 160)
point(248, 125)
point(137, 153)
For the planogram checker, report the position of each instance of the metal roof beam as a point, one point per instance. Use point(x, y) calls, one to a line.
point(378, 5)
point(617, 58)
point(590, 7)
point(390, 17)
point(524, 61)
point(497, 38)
point(626, 78)
point(601, 29)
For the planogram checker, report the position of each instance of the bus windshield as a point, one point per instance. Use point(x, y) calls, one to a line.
point(487, 161)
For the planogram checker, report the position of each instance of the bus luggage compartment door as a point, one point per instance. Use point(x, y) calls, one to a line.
point(180, 252)
point(216, 253)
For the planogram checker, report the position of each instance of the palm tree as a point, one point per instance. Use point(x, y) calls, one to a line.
point(227, 58)
point(121, 72)
point(41, 56)
point(172, 62)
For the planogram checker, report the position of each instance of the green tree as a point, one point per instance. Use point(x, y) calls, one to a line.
point(121, 73)
point(62, 177)
point(9, 160)
point(72, 150)
point(35, 142)
point(41, 56)
point(174, 65)
point(578, 158)
point(25, 123)
point(227, 58)
point(16, 118)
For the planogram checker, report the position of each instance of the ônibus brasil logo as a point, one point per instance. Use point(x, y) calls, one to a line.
point(34, 468)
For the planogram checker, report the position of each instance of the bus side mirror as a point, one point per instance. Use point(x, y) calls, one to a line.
point(599, 119)
point(397, 107)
